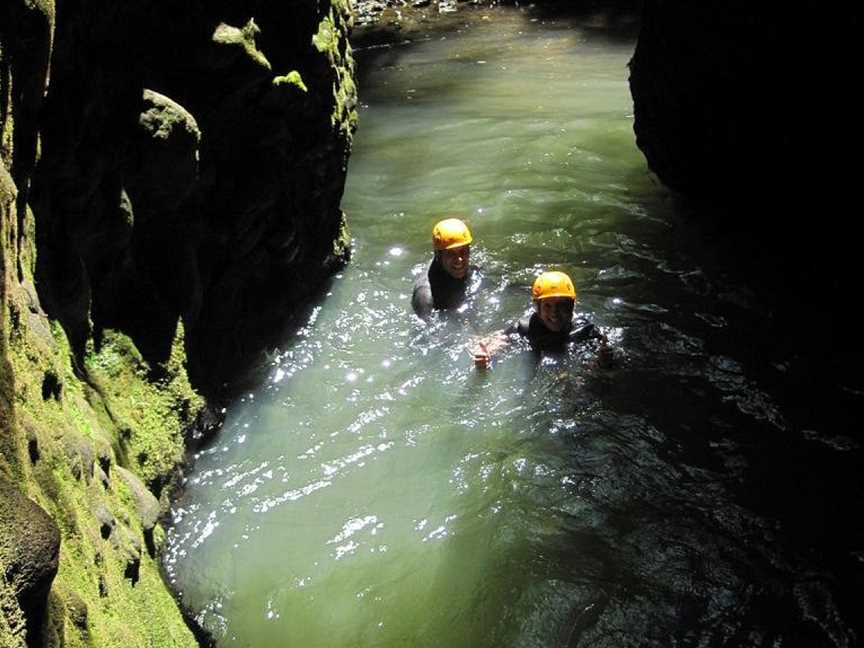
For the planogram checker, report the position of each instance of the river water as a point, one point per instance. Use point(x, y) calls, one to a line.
point(375, 490)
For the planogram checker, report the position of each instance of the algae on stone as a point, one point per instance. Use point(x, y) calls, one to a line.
point(331, 40)
point(293, 78)
point(61, 427)
point(80, 436)
point(72, 420)
point(244, 38)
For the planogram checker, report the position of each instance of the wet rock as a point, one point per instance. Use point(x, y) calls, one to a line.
point(157, 277)
point(30, 550)
point(207, 424)
point(37, 319)
point(719, 112)
point(229, 183)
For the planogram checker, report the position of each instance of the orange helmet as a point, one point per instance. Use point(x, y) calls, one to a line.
point(553, 284)
point(450, 233)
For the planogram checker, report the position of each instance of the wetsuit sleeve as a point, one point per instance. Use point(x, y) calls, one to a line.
point(584, 330)
point(421, 300)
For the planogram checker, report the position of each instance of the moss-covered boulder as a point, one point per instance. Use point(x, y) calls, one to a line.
point(29, 550)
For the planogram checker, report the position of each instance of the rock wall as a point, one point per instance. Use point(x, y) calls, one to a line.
point(214, 196)
point(169, 192)
point(744, 109)
point(743, 103)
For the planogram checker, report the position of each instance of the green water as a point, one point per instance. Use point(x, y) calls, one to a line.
point(377, 491)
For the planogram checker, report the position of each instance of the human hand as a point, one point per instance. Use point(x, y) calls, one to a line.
point(605, 354)
point(483, 349)
point(482, 357)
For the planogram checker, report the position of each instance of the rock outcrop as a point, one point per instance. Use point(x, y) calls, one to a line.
point(29, 549)
point(739, 102)
point(229, 183)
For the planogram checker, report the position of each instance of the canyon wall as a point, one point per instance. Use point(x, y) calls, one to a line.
point(169, 194)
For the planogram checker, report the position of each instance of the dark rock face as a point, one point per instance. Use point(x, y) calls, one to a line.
point(742, 107)
point(158, 164)
point(192, 167)
point(30, 550)
point(739, 102)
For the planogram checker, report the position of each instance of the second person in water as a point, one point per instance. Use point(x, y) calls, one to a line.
point(550, 326)
point(444, 284)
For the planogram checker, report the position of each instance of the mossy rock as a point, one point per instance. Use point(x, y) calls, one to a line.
point(29, 547)
point(146, 505)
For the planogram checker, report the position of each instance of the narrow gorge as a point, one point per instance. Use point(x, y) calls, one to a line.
point(211, 394)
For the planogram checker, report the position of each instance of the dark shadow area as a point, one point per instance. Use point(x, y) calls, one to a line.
point(782, 430)
point(616, 19)
point(255, 371)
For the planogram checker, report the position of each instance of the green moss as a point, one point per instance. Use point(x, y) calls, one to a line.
point(118, 396)
point(10, 450)
point(342, 242)
point(7, 125)
point(151, 415)
point(331, 40)
point(11, 617)
point(91, 414)
point(293, 78)
point(244, 38)
point(326, 39)
point(118, 612)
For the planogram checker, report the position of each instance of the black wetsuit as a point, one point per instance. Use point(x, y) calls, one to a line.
point(435, 289)
point(531, 327)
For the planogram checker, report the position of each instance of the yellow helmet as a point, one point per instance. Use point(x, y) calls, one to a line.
point(450, 233)
point(553, 284)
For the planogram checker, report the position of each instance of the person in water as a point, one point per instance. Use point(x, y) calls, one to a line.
point(445, 283)
point(550, 326)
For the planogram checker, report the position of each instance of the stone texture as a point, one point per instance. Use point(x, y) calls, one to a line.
point(30, 548)
point(181, 163)
point(230, 182)
point(146, 504)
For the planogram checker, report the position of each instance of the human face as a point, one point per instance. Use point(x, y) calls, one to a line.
point(455, 261)
point(555, 313)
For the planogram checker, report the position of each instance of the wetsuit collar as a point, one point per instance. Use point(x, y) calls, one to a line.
point(538, 328)
point(438, 275)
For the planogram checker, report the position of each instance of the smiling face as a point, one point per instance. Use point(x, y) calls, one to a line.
point(455, 261)
point(555, 312)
